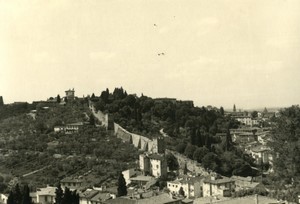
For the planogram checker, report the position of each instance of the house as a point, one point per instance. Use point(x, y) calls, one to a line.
point(100, 198)
point(163, 198)
point(252, 199)
point(71, 183)
point(261, 154)
point(153, 164)
point(69, 128)
point(214, 186)
point(244, 182)
point(86, 196)
point(141, 180)
point(46, 195)
point(3, 198)
point(33, 197)
point(246, 120)
point(129, 173)
point(192, 186)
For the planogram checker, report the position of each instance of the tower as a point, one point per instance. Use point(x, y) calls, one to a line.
point(234, 108)
point(158, 145)
point(70, 94)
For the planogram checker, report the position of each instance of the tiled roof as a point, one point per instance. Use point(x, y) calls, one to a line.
point(218, 181)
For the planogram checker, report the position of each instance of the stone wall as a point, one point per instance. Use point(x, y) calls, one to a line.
point(192, 165)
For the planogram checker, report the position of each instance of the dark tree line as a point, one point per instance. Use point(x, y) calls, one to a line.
point(18, 196)
point(66, 196)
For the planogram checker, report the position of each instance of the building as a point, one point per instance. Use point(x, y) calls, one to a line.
point(213, 186)
point(192, 186)
point(71, 183)
point(158, 145)
point(100, 198)
point(153, 164)
point(86, 196)
point(69, 128)
point(261, 154)
point(243, 182)
point(3, 197)
point(129, 173)
point(163, 198)
point(246, 120)
point(46, 195)
point(70, 94)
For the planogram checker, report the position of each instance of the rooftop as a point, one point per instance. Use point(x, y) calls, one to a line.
point(245, 200)
point(156, 157)
point(141, 178)
point(46, 191)
point(88, 194)
point(218, 180)
point(101, 197)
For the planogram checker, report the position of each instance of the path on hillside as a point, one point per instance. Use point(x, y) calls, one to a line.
point(33, 172)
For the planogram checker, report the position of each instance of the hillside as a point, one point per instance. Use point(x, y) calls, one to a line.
point(29, 144)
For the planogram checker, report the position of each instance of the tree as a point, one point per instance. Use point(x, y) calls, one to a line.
point(181, 191)
point(26, 195)
point(180, 148)
point(200, 153)
point(185, 169)
point(122, 189)
point(211, 161)
point(17, 195)
point(58, 99)
point(92, 120)
point(1, 101)
point(67, 198)
point(222, 110)
point(285, 145)
point(189, 151)
point(10, 199)
point(59, 194)
point(234, 108)
point(228, 141)
point(172, 162)
point(254, 114)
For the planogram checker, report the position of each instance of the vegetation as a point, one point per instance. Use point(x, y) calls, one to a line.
point(122, 189)
point(285, 144)
point(193, 130)
point(66, 197)
point(28, 144)
point(16, 196)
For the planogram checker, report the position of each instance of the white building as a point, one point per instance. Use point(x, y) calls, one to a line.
point(153, 164)
point(261, 154)
point(213, 186)
point(192, 186)
point(46, 195)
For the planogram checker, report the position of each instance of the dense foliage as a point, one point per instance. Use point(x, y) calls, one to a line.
point(285, 144)
point(193, 129)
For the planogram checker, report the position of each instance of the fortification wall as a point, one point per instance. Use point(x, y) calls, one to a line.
point(192, 165)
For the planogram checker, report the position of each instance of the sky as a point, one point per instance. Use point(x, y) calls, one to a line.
point(216, 52)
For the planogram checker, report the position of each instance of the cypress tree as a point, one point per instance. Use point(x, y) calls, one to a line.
point(26, 195)
point(122, 189)
point(58, 194)
point(17, 195)
point(10, 199)
point(58, 99)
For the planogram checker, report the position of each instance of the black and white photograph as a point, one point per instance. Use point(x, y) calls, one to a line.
point(149, 101)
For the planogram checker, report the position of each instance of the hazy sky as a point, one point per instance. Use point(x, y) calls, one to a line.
point(217, 52)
